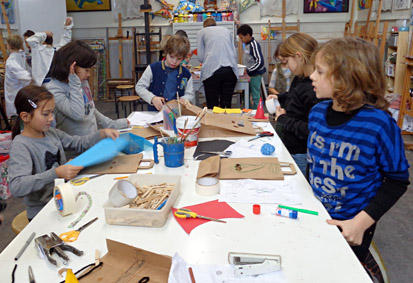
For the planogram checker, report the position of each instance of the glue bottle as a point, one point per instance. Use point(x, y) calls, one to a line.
point(286, 212)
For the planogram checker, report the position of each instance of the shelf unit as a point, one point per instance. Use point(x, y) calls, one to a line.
point(397, 43)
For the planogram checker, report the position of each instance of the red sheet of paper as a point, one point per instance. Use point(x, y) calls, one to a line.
point(212, 209)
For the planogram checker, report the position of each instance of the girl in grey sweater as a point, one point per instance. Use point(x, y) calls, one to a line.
point(37, 154)
point(75, 110)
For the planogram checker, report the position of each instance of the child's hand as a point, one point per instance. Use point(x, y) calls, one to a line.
point(72, 68)
point(68, 21)
point(68, 171)
point(279, 111)
point(182, 100)
point(109, 133)
point(272, 96)
point(158, 102)
point(49, 33)
point(353, 229)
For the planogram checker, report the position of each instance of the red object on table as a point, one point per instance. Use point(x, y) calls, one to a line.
point(212, 209)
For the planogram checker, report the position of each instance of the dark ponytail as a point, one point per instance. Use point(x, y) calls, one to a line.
point(27, 100)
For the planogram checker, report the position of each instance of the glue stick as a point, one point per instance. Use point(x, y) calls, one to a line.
point(286, 213)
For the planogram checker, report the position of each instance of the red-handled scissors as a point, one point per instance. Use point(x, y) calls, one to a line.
point(262, 134)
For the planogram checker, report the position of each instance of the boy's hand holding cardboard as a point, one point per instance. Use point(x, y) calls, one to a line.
point(68, 172)
point(109, 133)
point(158, 102)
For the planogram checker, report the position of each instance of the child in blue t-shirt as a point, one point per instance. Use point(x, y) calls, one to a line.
point(357, 164)
point(162, 80)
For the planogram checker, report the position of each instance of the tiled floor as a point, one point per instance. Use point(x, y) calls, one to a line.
point(394, 234)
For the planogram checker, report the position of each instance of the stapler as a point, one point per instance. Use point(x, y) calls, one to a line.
point(254, 264)
point(48, 245)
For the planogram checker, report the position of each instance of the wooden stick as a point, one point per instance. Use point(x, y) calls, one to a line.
point(204, 112)
point(183, 131)
point(179, 105)
point(191, 274)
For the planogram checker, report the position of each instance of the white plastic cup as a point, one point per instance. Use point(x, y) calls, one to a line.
point(192, 139)
point(122, 193)
point(271, 105)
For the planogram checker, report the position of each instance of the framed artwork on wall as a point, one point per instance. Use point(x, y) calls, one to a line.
point(87, 5)
point(326, 6)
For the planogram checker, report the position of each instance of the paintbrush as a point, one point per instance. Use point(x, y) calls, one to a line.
point(204, 112)
point(183, 131)
point(179, 104)
point(170, 109)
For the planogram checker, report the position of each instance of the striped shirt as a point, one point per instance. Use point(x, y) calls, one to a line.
point(348, 162)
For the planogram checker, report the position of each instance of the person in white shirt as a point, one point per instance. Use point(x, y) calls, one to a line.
point(17, 72)
point(41, 44)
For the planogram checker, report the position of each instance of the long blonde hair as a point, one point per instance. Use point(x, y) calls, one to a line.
point(356, 71)
point(303, 44)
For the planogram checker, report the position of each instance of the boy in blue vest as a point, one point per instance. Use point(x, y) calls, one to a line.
point(162, 80)
point(254, 61)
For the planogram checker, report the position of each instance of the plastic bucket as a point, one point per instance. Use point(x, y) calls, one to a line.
point(173, 154)
point(192, 139)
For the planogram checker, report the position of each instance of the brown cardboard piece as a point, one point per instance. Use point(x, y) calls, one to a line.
point(128, 264)
point(263, 168)
point(220, 125)
point(149, 132)
point(121, 164)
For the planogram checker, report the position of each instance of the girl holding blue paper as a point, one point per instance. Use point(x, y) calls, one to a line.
point(37, 154)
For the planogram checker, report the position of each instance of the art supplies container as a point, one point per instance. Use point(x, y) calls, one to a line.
point(241, 69)
point(173, 151)
point(144, 217)
point(190, 129)
point(136, 143)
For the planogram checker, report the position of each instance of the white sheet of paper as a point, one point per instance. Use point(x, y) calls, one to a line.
point(258, 191)
point(243, 148)
point(205, 273)
point(142, 119)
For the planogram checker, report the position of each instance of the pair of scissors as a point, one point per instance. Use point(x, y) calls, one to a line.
point(72, 236)
point(262, 134)
point(187, 213)
point(31, 276)
point(82, 180)
point(227, 153)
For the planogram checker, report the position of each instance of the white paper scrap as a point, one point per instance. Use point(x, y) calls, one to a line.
point(259, 191)
point(244, 149)
point(142, 119)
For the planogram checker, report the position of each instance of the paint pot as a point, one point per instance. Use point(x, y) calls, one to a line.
point(193, 134)
point(173, 152)
point(271, 105)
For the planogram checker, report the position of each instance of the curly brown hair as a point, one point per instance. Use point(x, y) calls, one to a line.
point(356, 71)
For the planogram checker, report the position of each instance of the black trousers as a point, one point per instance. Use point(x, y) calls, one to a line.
point(219, 88)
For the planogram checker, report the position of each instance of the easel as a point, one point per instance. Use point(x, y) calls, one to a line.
point(406, 104)
point(349, 24)
point(283, 28)
point(112, 83)
point(6, 19)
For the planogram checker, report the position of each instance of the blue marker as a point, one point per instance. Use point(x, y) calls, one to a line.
point(162, 204)
point(286, 213)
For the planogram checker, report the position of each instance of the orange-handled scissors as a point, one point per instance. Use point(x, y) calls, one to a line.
point(72, 236)
point(187, 213)
point(82, 180)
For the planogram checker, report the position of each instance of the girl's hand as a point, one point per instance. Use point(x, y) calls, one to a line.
point(158, 102)
point(182, 100)
point(128, 123)
point(353, 229)
point(109, 133)
point(279, 111)
point(272, 96)
point(72, 68)
point(68, 21)
point(68, 171)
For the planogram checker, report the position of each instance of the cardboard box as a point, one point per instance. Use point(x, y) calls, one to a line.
point(144, 217)
point(126, 264)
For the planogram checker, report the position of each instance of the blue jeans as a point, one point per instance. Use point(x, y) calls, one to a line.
point(301, 160)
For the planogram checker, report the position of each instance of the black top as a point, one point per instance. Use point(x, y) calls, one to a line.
point(391, 189)
point(298, 102)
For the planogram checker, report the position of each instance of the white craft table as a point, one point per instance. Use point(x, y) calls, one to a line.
point(311, 250)
point(242, 84)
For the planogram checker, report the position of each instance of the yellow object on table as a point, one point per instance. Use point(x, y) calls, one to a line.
point(219, 110)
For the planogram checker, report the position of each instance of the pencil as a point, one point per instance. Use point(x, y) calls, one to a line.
point(299, 209)
point(120, 178)
point(191, 273)
point(25, 246)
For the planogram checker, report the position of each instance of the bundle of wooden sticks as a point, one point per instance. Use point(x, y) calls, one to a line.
point(152, 196)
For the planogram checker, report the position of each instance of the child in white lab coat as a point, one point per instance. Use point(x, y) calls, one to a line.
point(17, 72)
point(41, 44)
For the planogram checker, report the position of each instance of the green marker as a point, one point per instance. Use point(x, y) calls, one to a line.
point(299, 209)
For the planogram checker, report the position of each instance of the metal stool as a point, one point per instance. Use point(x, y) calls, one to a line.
point(132, 100)
point(19, 222)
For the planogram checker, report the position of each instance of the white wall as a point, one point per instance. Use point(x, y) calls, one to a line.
point(321, 26)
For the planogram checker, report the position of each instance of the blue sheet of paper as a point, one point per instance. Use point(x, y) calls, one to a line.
point(103, 151)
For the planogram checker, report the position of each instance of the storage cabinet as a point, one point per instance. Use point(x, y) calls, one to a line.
point(397, 47)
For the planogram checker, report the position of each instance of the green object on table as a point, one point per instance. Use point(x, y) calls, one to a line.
point(299, 209)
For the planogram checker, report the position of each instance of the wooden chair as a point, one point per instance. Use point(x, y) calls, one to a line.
point(132, 100)
point(19, 222)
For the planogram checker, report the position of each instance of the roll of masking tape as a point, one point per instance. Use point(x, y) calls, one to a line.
point(122, 193)
point(271, 105)
point(64, 199)
point(207, 186)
